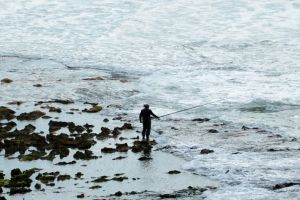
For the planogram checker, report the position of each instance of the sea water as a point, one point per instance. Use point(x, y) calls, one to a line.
point(172, 55)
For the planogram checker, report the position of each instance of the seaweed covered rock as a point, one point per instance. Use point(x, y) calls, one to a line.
point(108, 150)
point(93, 109)
point(6, 80)
point(105, 132)
point(56, 125)
point(5, 127)
point(145, 146)
point(6, 113)
point(126, 126)
point(34, 115)
point(34, 155)
point(63, 177)
point(47, 177)
point(86, 155)
point(20, 182)
point(122, 147)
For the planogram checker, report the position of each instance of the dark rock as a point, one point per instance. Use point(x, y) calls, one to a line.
point(120, 179)
point(143, 158)
point(6, 80)
point(34, 115)
point(201, 120)
point(101, 179)
point(213, 131)
point(94, 109)
point(284, 185)
point(6, 113)
point(53, 109)
point(117, 118)
point(174, 172)
point(95, 187)
point(1, 190)
point(78, 175)
point(18, 190)
point(55, 101)
point(66, 163)
point(206, 151)
point(122, 147)
point(15, 103)
point(145, 146)
point(119, 158)
point(46, 117)
point(2, 198)
point(104, 133)
point(80, 196)
point(126, 126)
point(118, 194)
point(174, 128)
point(245, 128)
point(37, 186)
point(168, 196)
point(37, 85)
point(34, 155)
point(87, 155)
point(46, 177)
point(108, 150)
point(56, 125)
point(116, 132)
point(106, 120)
point(63, 177)
point(5, 127)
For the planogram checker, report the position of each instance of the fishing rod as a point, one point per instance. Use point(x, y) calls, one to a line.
point(191, 108)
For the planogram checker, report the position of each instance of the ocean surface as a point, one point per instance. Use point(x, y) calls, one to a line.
point(242, 56)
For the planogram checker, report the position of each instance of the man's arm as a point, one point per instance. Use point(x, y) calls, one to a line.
point(153, 114)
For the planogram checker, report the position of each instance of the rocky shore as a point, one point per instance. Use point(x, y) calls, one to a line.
point(41, 142)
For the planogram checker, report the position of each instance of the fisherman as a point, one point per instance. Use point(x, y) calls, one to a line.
point(145, 118)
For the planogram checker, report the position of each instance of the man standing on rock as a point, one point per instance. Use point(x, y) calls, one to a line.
point(145, 118)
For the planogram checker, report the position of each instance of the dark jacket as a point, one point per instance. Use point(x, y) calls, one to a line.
point(145, 115)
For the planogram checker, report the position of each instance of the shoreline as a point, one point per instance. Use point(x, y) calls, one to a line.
point(156, 163)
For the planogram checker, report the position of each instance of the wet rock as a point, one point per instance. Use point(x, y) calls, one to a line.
point(168, 196)
point(5, 127)
point(213, 131)
point(201, 120)
point(284, 185)
point(118, 194)
point(6, 80)
point(105, 120)
point(66, 163)
point(108, 150)
point(105, 132)
point(95, 187)
point(116, 132)
point(34, 115)
point(34, 155)
point(78, 175)
point(101, 179)
point(18, 190)
point(86, 155)
point(6, 113)
point(15, 103)
point(122, 147)
point(53, 109)
point(80, 196)
point(37, 85)
point(37, 186)
point(55, 101)
point(126, 126)
point(94, 109)
point(174, 172)
point(97, 78)
point(46, 177)
point(63, 177)
point(145, 146)
point(119, 178)
point(119, 158)
point(56, 125)
point(144, 158)
point(206, 151)
point(245, 128)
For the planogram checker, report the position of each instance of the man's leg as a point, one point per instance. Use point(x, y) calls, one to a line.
point(148, 130)
point(144, 131)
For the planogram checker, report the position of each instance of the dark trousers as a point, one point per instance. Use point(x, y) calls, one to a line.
point(146, 129)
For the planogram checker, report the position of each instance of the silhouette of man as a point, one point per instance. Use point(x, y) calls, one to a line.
point(145, 118)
